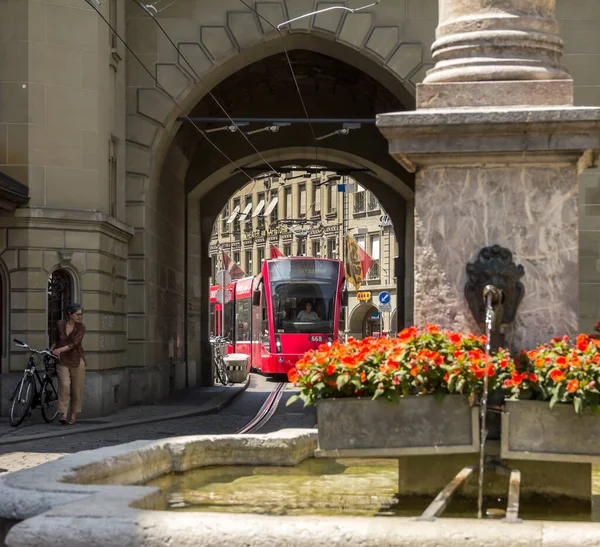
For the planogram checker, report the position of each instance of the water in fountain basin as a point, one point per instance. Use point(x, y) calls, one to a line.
point(343, 487)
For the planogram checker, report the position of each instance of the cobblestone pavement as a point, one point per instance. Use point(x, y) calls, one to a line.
point(28, 454)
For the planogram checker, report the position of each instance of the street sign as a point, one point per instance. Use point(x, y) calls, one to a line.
point(385, 307)
point(223, 278)
point(385, 298)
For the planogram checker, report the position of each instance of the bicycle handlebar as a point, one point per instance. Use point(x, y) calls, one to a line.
point(38, 351)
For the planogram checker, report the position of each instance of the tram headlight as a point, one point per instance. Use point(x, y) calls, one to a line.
point(329, 340)
point(277, 344)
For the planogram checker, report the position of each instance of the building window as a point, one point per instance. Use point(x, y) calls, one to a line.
point(317, 199)
point(236, 221)
point(287, 211)
point(316, 248)
point(236, 257)
point(302, 200)
point(248, 262)
point(261, 256)
point(60, 296)
point(375, 270)
point(332, 198)
point(274, 214)
point(113, 174)
point(287, 250)
point(359, 200)
point(301, 247)
point(372, 202)
point(224, 217)
point(331, 248)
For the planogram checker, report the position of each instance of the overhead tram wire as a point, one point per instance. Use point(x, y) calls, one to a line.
point(287, 56)
point(161, 88)
point(206, 87)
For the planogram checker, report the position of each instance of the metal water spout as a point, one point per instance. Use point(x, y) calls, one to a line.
point(494, 275)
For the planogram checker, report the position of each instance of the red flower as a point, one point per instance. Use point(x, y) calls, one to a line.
point(533, 377)
point(508, 383)
point(562, 362)
point(572, 386)
point(557, 375)
point(292, 375)
point(455, 338)
point(330, 370)
point(582, 342)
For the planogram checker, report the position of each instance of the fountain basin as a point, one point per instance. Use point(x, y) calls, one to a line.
point(531, 430)
point(95, 497)
point(361, 427)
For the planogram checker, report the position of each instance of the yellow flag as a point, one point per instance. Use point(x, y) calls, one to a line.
point(353, 266)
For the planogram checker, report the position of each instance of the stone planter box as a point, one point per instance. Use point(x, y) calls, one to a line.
point(531, 431)
point(413, 426)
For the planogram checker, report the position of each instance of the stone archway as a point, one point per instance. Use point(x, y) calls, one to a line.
point(175, 189)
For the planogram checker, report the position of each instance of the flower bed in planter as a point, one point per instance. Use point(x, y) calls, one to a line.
point(531, 430)
point(410, 426)
point(554, 405)
point(389, 396)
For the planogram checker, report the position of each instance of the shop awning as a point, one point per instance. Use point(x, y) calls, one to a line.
point(234, 214)
point(271, 206)
point(245, 212)
point(259, 208)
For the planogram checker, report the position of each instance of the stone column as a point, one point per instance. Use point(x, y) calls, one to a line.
point(497, 148)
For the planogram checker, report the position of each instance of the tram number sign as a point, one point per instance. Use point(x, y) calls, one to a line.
point(363, 296)
point(316, 339)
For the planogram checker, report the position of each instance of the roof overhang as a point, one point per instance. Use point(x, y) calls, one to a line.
point(12, 193)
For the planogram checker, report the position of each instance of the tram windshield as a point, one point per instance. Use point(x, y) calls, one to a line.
point(303, 295)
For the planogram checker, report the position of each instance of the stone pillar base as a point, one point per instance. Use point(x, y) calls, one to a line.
point(500, 93)
point(428, 475)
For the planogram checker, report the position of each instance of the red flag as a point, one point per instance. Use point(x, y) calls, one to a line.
point(275, 252)
point(233, 268)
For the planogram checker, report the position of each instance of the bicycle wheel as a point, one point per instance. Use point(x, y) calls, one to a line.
point(21, 401)
point(49, 398)
point(221, 371)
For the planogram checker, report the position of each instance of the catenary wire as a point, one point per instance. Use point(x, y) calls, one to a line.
point(287, 56)
point(201, 81)
point(224, 154)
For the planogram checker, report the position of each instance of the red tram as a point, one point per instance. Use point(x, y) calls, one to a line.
point(292, 306)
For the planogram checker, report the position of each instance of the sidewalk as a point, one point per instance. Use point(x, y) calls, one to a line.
point(196, 401)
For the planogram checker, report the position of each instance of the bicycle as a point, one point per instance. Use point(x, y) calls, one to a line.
point(28, 395)
point(218, 344)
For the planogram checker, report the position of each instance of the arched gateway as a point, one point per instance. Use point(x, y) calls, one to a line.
point(126, 194)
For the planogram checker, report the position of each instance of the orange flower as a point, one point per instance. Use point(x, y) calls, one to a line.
point(508, 383)
point(575, 362)
point(533, 378)
point(539, 363)
point(572, 386)
point(532, 354)
point(414, 371)
point(407, 334)
point(582, 342)
point(330, 370)
point(561, 362)
point(363, 377)
point(433, 329)
point(503, 363)
point(557, 375)
point(292, 375)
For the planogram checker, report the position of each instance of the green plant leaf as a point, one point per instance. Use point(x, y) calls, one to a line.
point(342, 380)
point(578, 403)
point(555, 399)
point(292, 400)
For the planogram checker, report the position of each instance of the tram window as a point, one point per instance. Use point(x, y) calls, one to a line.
point(212, 319)
point(265, 325)
point(228, 332)
point(243, 310)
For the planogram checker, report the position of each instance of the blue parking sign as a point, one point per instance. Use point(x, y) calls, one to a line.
point(384, 298)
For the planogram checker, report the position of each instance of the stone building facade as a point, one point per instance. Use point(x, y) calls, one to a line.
point(123, 195)
point(248, 226)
